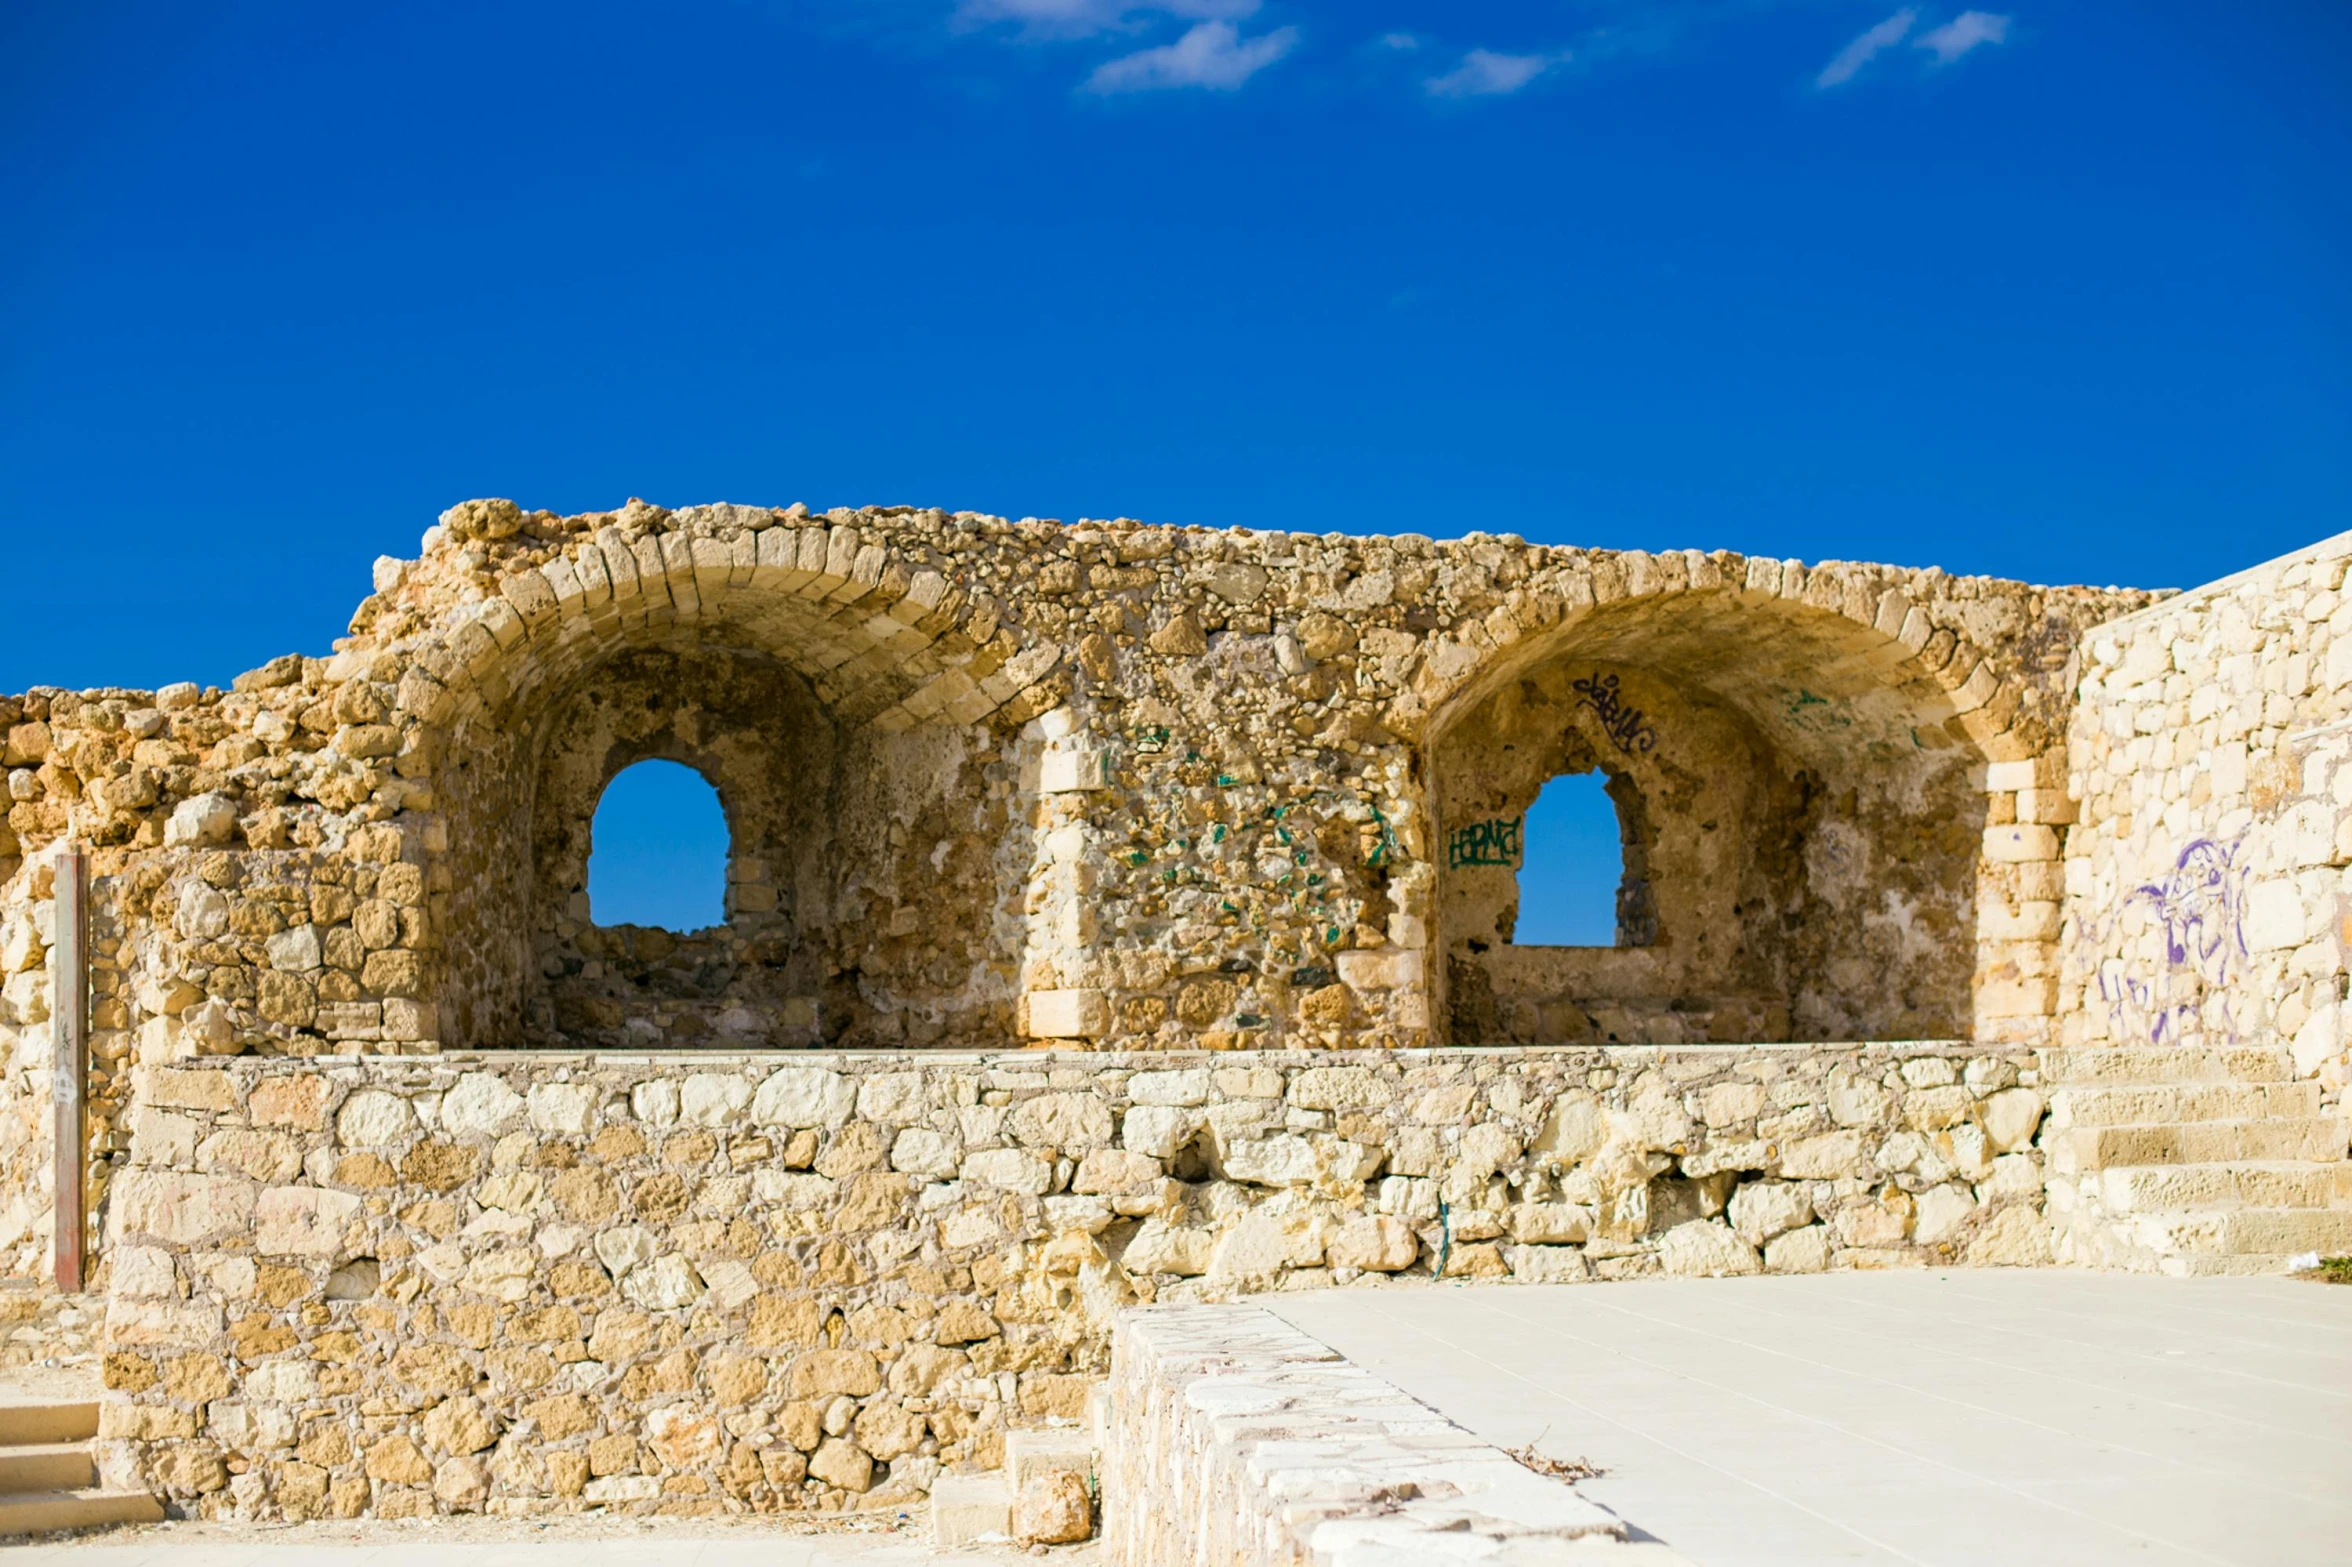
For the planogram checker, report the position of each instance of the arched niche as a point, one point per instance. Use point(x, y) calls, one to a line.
point(1807, 830)
point(754, 730)
point(862, 900)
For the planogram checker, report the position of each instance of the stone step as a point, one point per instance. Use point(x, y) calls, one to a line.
point(48, 1420)
point(2148, 1064)
point(38, 1512)
point(2314, 1139)
point(46, 1466)
point(2245, 1232)
point(2182, 1188)
point(1030, 1454)
point(2143, 1104)
point(971, 1510)
point(2255, 1264)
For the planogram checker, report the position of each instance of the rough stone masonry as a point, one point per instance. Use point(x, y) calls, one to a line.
point(1121, 913)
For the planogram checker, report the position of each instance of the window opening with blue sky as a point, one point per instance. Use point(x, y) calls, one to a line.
point(658, 854)
point(1572, 865)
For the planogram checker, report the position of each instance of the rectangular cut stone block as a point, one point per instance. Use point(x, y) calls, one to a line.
point(2035, 920)
point(2020, 843)
point(2038, 772)
point(2275, 916)
point(970, 1510)
point(2017, 998)
point(1066, 1014)
point(1382, 968)
point(2045, 805)
point(1073, 772)
point(1055, 1450)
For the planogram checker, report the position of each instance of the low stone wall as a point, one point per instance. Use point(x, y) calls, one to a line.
point(1235, 1440)
point(705, 1283)
point(45, 1334)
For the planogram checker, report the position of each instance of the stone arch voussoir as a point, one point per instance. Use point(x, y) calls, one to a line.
point(884, 637)
point(1863, 612)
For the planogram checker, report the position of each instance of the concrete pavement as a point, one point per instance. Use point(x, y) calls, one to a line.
point(1941, 1418)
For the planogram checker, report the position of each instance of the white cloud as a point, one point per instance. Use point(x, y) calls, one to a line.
point(1212, 55)
point(1963, 33)
point(1484, 74)
point(1085, 18)
point(1867, 47)
point(1401, 42)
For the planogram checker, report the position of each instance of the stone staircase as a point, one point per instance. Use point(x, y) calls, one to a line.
point(2193, 1161)
point(47, 1477)
point(1009, 1504)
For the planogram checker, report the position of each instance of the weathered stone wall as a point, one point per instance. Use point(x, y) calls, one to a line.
point(2207, 876)
point(1235, 1440)
point(28, 943)
point(1769, 894)
point(831, 835)
point(1133, 786)
point(1227, 818)
point(552, 1280)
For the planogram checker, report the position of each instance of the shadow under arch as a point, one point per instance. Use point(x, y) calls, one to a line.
point(1815, 791)
point(828, 684)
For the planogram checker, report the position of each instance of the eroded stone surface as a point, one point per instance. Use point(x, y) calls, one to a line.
point(1236, 1438)
point(530, 1281)
point(1154, 792)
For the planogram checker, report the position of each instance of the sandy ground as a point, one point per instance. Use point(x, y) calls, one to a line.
point(580, 1540)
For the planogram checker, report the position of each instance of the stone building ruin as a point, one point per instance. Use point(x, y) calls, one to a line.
point(1120, 913)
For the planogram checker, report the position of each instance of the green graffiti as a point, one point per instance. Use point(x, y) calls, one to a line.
point(1491, 842)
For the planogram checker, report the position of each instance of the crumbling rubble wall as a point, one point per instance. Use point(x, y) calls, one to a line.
point(1106, 784)
point(553, 1280)
point(1141, 787)
point(1824, 837)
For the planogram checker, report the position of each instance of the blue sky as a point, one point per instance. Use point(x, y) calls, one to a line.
point(2053, 291)
point(658, 850)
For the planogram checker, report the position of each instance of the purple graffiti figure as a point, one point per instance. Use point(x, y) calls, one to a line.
point(2198, 906)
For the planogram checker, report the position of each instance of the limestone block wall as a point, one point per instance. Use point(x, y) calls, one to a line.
point(721, 1282)
point(1235, 1440)
point(2206, 877)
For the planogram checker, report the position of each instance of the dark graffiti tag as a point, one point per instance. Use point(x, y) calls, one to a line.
point(1625, 726)
point(2190, 941)
point(1491, 842)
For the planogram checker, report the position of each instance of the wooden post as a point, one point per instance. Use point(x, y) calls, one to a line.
point(69, 1018)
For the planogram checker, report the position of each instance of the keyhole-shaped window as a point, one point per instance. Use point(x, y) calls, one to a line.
point(658, 850)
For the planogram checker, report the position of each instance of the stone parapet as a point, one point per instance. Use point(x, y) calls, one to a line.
point(1235, 1440)
point(700, 1282)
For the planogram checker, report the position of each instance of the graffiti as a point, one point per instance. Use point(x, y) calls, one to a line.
point(1624, 725)
point(1817, 714)
point(1491, 842)
point(2180, 942)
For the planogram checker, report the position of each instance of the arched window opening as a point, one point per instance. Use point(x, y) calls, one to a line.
point(1580, 881)
point(658, 850)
